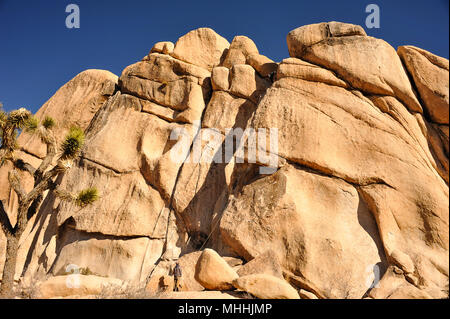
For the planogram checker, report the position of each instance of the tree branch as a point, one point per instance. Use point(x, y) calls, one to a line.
point(4, 220)
point(64, 195)
point(46, 182)
point(51, 152)
point(36, 204)
point(24, 166)
point(14, 181)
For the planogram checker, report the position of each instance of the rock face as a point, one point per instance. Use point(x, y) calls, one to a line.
point(265, 263)
point(346, 50)
point(266, 287)
point(76, 285)
point(202, 47)
point(213, 272)
point(75, 103)
point(428, 70)
point(299, 207)
point(349, 201)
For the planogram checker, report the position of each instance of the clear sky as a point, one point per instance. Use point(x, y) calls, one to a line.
point(38, 54)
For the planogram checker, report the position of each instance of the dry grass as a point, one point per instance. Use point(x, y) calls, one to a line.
point(22, 291)
point(128, 291)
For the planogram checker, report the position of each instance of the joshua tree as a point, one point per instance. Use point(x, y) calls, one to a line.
point(57, 161)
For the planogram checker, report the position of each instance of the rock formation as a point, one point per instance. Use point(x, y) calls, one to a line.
point(353, 202)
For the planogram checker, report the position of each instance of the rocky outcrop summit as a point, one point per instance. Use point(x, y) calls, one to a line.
point(351, 202)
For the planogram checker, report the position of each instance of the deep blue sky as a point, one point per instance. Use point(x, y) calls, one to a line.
point(38, 54)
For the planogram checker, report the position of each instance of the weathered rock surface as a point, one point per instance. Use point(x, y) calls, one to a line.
point(202, 47)
point(165, 47)
point(246, 83)
point(265, 286)
point(428, 72)
point(288, 206)
point(213, 272)
point(75, 103)
point(220, 78)
point(262, 64)
point(350, 53)
point(76, 285)
point(159, 284)
point(300, 39)
point(356, 206)
point(304, 294)
point(265, 263)
point(188, 263)
point(240, 49)
point(296, 68)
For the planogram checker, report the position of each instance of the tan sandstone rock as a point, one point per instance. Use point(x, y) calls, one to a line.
point(240, 48)
point(266, 287)
point(75, 103)
point(352, 56)
point(289, 206)
point(298, 40)
point(246, 83)
point(163, 68)
point(131, 217)
point(304, 294)
point(265, 263)
point(160, 284)
point(213, 273)
point(226, 111)
point(296, 68)
point(429, 73)
point(76, 285)
point(220, 78)
point(202, 47)
point(297, 107)
point(118, 258)
point(233, 261)
point(355, 207)
point(165, 47)
point(262, 64)
point(188, 263)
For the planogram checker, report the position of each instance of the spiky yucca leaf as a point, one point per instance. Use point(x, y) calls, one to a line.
point(48, 122)
point(18, 118)
point(3, 118)
point(72, 143)
point(44, 135)
point(2, 157)
point(31, 124)
point(87, 196)
point(65, 195)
